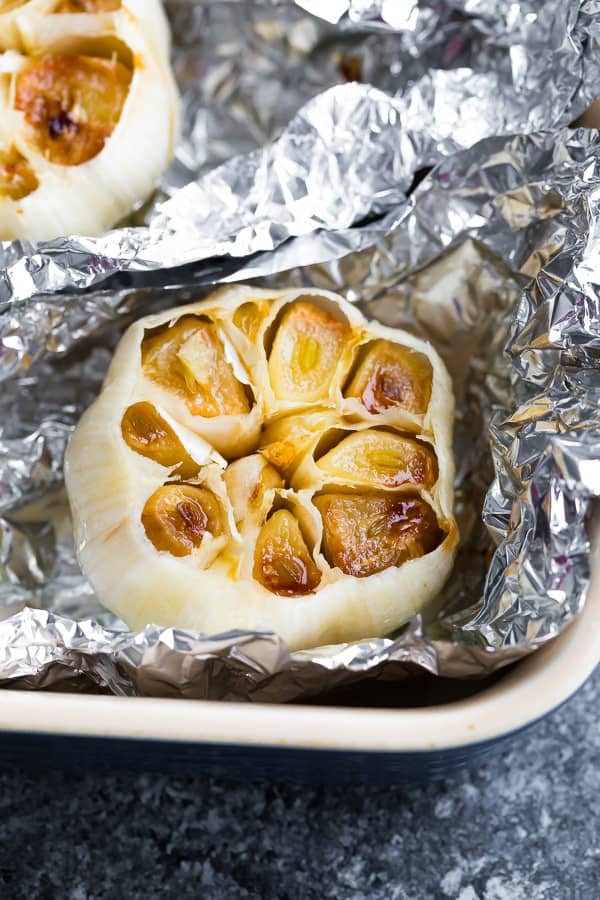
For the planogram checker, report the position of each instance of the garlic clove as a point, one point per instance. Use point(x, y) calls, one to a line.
point(286, 441)
point(71, 105)
point(188, 359)
point(367, 533)
point(282, 561)
point(380, 459)
point(390, 375)
point(86, 6)
point(177, 517)
point(17, 177)
point(307, 349)
point(146, 432)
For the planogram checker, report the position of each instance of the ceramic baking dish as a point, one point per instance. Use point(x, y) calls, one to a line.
point(299, 742)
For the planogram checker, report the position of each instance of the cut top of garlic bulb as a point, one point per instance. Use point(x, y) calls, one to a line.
point(267, 460)
point(88, 113)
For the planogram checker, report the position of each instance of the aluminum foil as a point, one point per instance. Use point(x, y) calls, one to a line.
point(333, 202)
point(460, 71)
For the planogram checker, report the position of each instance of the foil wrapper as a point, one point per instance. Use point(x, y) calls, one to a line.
point(459, 71)
point(494, 256)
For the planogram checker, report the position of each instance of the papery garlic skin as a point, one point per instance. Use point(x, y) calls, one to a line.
point(90, 197)
point(215, 587)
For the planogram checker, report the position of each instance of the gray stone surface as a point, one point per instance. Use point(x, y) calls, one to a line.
point(521, 827)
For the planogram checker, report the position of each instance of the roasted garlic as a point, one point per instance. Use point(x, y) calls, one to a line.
point(88, 113)
point(267, 460)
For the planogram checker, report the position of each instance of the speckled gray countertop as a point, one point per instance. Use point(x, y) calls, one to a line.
point(524, 826)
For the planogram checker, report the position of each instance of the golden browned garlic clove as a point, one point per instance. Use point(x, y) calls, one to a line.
point(188, 359)
point(366, 533)
point(285, 440)
point(249, 317)
point(380, 459)
point(178, 516)
point(148, 434)
point(389, 375)
point(282, 561)
point(87, 6)
point(307, 348)
point(17, 178)
point(72, 104)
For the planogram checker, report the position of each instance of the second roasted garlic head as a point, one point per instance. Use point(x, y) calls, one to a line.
point(267, 459)
point(88, 113)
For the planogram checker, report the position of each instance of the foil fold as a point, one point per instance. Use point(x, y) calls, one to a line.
point(494, 256)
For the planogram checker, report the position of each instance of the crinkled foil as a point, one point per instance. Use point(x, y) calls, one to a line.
point(459, 72)
point(495, 256)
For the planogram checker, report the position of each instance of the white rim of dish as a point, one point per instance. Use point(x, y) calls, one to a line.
point(535, 687)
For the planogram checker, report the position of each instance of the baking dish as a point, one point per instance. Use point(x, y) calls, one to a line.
point(296, 741)
point(332, 744)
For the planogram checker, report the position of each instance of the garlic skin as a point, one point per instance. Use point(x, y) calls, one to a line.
point(11, 12)
point(26, 24)
point(92, 196)
point(38, 23)
point(255, 464)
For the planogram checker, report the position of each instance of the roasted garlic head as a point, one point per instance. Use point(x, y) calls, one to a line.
point(88, 113)
point(267, 459)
